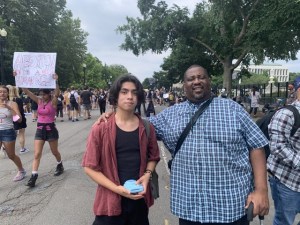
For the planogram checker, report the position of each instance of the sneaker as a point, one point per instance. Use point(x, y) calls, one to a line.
point(73, 120)
point(32, 180)
point(20, 175)
point(61, 120)
point(24, 150)
point(77, 119)
point(59, 169)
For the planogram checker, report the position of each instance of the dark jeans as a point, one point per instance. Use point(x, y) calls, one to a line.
point(242, 221)
point(59, 111)
point(102, 106)
point(253, 109)
point(133, 213)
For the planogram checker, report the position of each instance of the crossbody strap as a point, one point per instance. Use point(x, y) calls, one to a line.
point(191, 124)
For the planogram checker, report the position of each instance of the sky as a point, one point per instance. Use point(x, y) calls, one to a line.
point(100, 18)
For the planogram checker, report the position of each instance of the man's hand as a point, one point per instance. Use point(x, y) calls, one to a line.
point(261, 202)
point(103, 118)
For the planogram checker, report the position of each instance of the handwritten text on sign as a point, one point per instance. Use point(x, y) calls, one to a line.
point(34, 70)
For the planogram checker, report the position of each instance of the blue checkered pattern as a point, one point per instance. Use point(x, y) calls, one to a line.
point(284, 160)
point(211, 173)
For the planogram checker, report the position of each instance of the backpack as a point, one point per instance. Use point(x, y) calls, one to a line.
point(154, 180)
point(72, 98)
point(265, 121)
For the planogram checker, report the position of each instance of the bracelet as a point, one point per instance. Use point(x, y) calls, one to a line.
point(148, 171)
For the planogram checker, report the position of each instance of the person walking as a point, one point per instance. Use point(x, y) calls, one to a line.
point(102, 101)
point(74, 103)
point(46, 129)
point(86, 100)
point(254, 101)
point(19, 126)
point(284, 163)
point(118, 151)
point(60, 107)
point(9, 112)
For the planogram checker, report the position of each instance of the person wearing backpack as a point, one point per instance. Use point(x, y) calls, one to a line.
point(284, 162)
point(73, 97)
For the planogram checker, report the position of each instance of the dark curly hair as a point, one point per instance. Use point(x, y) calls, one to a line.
point(116, 87)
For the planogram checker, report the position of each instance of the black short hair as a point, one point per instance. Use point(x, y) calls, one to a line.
point(195, 66)
point(116, 87)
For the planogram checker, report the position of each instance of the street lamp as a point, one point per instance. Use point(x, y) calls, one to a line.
point(84, 69)
point(3, 35)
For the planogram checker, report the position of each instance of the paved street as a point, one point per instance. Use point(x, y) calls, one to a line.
point(67, 199)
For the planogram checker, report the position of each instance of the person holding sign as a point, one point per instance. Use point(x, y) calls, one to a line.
point(46, 129)
point(9, 112)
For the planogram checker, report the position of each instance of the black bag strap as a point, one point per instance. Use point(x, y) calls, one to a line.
point(191, 124)
point(296, 118)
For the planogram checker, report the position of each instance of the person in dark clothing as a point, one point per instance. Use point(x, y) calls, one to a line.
point(86, 100)
point(102, 101)
point(150, 109)
point(60, 107)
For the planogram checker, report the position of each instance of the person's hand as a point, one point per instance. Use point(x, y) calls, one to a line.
point(260, 201)
point(14, 73)
point(144, 180)
point(103, 118)
point(125, 193)
point(55, 76)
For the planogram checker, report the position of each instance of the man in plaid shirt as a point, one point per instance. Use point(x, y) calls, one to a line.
point(214, 171)
point(284, 163)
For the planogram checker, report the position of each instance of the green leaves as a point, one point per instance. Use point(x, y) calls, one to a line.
point(218, 33)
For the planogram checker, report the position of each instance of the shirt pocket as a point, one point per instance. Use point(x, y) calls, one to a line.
point(222, 130)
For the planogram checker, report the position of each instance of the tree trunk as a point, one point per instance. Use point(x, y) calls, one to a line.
point(227, 76)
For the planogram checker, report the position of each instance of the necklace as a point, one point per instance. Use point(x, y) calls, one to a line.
point(44, 105)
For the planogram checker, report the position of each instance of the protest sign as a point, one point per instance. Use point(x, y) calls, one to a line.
point(34, 69)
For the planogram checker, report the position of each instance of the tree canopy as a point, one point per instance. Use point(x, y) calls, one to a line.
point(218, 34)
point(47, 26)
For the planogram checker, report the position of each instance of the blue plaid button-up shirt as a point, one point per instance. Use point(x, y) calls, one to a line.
point(211, 174)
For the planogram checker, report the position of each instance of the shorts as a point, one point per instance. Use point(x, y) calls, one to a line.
point(8, 135)
point(51, 135)
point(87, 106)
point(19, 126)
point(74, 106)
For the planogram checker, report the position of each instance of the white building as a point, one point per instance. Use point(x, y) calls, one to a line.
point(280, 72)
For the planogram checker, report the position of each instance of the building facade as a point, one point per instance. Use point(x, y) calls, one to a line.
point(280, 72)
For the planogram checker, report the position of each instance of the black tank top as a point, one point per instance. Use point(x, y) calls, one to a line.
point(128, 154)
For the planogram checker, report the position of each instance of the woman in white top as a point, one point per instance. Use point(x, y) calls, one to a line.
point(254, 101)
point(9, 112)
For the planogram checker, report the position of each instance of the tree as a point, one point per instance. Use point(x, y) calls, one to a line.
point(233, 31)
point(44, 26)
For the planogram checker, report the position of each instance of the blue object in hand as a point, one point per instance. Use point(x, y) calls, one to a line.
point(134, 188)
